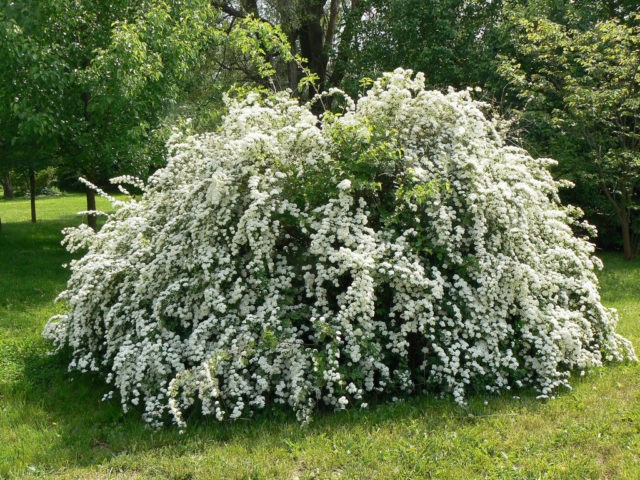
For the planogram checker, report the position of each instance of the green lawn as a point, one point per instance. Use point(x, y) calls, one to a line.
point(54, 425)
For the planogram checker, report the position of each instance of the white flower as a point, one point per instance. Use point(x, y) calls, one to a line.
point(344, 184)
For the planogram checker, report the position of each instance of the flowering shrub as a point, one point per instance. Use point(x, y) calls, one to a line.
point(397, 246)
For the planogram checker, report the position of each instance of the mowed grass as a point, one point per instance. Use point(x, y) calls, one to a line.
point(54, 424)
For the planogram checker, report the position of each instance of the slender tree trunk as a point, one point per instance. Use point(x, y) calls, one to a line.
point(32, 192)
point(626, 238)
point(623, 209)
point(311, 35)
point(92, 220)
point(7, 186)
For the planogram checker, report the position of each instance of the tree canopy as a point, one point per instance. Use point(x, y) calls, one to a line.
point(585, 84)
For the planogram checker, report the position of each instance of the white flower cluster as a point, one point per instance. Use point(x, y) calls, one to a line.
point(397, 246)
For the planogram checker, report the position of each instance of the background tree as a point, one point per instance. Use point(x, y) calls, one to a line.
point(452, 41)
point(125, 65)
point(31, 86)
point(319, 31)
point(97, 84)
point(585, 85)
point(106, 80)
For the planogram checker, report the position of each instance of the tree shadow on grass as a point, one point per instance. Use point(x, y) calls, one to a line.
point(31, 260)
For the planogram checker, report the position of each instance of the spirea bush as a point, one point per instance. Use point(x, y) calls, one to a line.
point(397, 246)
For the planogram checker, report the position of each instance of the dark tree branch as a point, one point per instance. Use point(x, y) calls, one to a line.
point(251, 7)
point(331, 26)
point(229, 10)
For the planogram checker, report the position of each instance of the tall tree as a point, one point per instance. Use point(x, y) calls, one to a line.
point(31, 87)
point(104, 77)
point(126, 63)
point(583, 81)
point(319, 31)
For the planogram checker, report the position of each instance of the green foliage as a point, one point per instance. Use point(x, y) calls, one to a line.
point(95, 85)
point(30, 94)
point(452, 41)
point(129, 66)
point(256, 41)
point(308, 82)
point(584, 85)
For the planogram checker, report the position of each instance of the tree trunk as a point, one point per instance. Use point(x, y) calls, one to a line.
point(623, 210)
point(7, 186)
point(32, 192)
point(311, 37)
point(92, 219)
point(626, 237)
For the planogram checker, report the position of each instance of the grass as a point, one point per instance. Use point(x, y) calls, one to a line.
point(54, 425)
